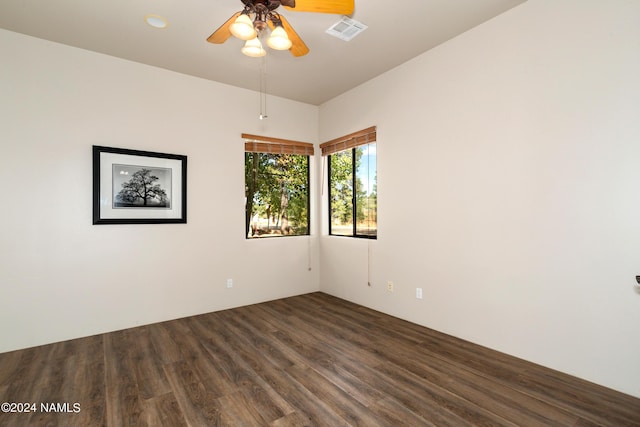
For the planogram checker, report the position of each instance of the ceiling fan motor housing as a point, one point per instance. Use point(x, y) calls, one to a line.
point(268, 4)
point(263, 12)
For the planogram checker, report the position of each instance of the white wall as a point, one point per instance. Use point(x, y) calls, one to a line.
point(509, 188)
point(62, 277)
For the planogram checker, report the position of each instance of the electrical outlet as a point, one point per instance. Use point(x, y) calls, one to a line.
point(390, 286)
point(229, 283)
point(419, 293)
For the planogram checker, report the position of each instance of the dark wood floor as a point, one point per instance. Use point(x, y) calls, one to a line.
point(309, 360)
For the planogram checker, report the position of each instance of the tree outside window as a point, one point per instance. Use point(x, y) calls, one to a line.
point(277, 194)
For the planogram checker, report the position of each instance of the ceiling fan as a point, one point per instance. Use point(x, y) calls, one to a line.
point(257, 15)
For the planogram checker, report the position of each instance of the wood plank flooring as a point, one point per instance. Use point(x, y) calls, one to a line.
point(310, 360)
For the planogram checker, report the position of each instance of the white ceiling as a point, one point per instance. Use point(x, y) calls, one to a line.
point(398, 31)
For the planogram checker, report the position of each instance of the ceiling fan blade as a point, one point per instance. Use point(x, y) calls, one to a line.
point(223, 33)
point(342, 7)
point(298, 48)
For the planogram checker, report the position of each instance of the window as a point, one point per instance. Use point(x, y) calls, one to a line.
point(353, 190)
point(276, 187)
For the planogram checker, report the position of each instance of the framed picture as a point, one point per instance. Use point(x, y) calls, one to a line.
point(138, 187)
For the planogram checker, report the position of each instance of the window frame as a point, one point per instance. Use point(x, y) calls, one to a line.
point(349, 142)
point(255, 144)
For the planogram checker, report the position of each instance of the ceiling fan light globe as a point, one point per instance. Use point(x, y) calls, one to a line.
point(279, 40)
point(253, 48)
point(242, 28)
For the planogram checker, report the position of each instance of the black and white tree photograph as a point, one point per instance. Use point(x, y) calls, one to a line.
point(141, 187)
point(138, 187)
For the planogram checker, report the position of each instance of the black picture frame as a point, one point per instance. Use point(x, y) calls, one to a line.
point(138, 187)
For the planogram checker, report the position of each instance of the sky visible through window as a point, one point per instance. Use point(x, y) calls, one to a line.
point(366, 171)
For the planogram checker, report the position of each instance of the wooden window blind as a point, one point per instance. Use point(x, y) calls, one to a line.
point(265, 144)
point(363, 137)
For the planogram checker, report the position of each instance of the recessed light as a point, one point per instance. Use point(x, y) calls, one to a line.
point(156, 21)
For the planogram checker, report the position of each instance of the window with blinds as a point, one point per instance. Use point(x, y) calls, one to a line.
point(353, 189)
point(276, 187)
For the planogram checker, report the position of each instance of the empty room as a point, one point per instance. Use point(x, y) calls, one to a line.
point(320, 213)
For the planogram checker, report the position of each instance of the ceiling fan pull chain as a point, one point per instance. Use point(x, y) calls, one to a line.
point(263, 88)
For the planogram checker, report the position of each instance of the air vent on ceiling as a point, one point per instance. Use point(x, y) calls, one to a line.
point(346, 28)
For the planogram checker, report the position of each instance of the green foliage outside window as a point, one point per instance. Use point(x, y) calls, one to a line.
point(341, 192)
point(277, 195)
